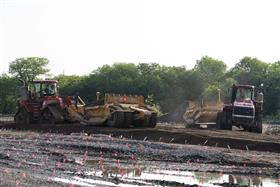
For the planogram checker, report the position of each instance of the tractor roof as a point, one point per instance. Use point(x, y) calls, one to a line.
point(45, 81)
point(244, 86)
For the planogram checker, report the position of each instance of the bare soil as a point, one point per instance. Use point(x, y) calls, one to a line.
point(174, 133)
point(76, 155)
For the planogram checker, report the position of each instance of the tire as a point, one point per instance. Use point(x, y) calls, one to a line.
point(222, 120)
point(229, 121)
point(141, 123)
point(153, 120)
point(128, 117)
point(22, 117)
point(225, 121)
point(259, 124)
point(116, 119)
point(249, 129)
point(253, 128)
point(47, 117)
point(218, 120)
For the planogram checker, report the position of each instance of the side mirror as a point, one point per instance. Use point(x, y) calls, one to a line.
point(260, 89)
point(97, 96)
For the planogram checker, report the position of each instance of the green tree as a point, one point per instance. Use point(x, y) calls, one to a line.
point(118, 78)
point(211, 93)
point(272, 89)
point(211, 70)
point(29, 68)
point(69, 84)
point(249, 71)
point(225, 86)
point(8, 90)
point(212, 75)
point(149, 80)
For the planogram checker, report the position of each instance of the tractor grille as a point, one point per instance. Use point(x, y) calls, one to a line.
point(242, 121)
point(243, 111)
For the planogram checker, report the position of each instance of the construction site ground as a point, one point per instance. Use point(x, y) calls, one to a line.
point(168, 155)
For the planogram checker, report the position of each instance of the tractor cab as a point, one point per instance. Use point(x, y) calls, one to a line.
point(242, 93)
point(42, 88)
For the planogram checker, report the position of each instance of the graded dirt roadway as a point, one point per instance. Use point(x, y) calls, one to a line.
point(175, 133)
point(169, 155)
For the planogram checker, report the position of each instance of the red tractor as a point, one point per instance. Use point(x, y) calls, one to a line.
point(39, 103)
point(244, 110)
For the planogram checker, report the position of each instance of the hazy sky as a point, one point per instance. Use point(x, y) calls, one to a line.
point(78, 36)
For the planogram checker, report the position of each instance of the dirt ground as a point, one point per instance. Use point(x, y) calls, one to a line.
point(169, 155)
point(174, 133)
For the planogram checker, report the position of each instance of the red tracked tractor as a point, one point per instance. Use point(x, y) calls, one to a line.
point(39, 103)
point(244, 110)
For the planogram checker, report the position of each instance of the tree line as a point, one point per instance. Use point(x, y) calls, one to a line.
point(168, 87)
